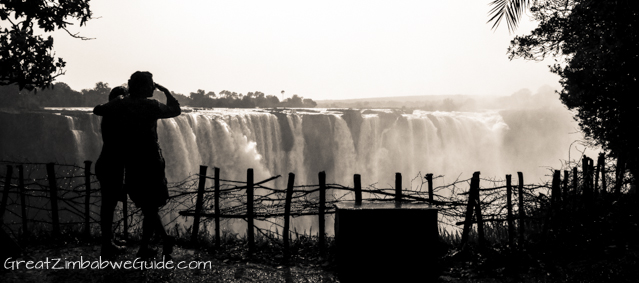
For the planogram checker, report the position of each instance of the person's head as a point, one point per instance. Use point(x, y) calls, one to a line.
point(141, 84)
point(117, 91)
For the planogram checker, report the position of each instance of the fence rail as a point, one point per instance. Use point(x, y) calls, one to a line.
point(70, 189)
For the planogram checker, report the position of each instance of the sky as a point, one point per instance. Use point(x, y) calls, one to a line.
point(315, 49)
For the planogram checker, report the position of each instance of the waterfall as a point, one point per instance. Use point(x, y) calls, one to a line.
point(375, 144)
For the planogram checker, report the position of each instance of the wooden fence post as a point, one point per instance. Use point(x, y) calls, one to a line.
point(468, 220)
point(322, 216)
point(87, 198)
point(429, 178)
point(597, 170)
point(602, 157)
point(556, 191)
point(469, 215)
point(565, 186)
point(522, 213)
point(53, 189)
point(199, 201)
point(591, 190)
point(357, 181)
point(249, 211)
point(398, 190)
point(23, 202)
point(587, 192)
point(555, 199)
point(125, 215)
point(5, 194)
point(509, 207)
point(575, 178)
point(287, 216)
point(621, 172)
point(217, 207)
point(478, 214)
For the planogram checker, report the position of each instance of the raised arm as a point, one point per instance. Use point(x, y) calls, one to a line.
point(172, 107)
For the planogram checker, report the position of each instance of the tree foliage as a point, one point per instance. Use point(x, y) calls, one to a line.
point(27, 58)
point(596, 47)
point(61, 95)
point(511, 10)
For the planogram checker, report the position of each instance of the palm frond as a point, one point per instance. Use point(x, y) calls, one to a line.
point(509, 9)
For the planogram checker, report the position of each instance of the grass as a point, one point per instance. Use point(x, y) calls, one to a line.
point(598, 244)
point(230, 263)
point(577, 244)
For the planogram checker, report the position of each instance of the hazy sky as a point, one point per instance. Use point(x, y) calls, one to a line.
point(316, 49)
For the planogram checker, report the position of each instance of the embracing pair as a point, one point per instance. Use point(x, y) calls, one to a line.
point(131, 160)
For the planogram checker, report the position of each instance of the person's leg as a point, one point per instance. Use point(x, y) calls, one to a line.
point(111, 176)
point(159, 227)
point(167, 241)
point(149, 225)
point(109, 202)
point(106, 216)
point(121, 197)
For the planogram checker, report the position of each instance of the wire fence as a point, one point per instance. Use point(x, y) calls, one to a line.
point(43, 197)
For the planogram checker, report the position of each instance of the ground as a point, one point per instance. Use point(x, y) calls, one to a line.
point(620, 266)
point(227, 270)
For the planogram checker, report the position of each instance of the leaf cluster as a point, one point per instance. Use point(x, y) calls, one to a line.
point(26, 58)
point(509, 9)
point(596, 48)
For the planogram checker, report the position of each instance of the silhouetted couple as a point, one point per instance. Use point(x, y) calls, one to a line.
point(131, 155)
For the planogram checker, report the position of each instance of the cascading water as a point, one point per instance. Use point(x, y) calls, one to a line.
point(374, 144)
point(342, 143)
